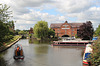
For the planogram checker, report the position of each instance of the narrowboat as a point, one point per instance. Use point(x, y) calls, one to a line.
point(18, 52)
point(87, 52)
point(70, 43)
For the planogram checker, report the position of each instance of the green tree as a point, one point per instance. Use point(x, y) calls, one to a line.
point(95, 55)
point(3, 30)
point(11, 24)
point(97, 32)
point(5, 33)
point(17, 31)
point(86, 31)
point(22, 32)
point(4, 13)
point(41, 30)
point(51, 33)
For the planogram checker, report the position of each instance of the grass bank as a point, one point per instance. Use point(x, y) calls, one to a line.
point(13, 39)
point(8, 44)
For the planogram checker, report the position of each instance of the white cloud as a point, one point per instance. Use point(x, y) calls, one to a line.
point(61, 18)
point(75, 6)
point(82, 10)
point(25, 11)
point(34, 16)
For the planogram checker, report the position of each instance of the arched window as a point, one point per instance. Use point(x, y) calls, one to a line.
point(65, 36)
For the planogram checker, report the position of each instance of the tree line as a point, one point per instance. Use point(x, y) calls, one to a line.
point(86, 31)
point(42, 31)
point(6, 26)
point(95, 55)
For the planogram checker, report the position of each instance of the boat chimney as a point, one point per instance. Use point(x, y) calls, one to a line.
point(66, 21)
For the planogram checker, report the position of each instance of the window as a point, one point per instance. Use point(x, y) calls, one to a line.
point(72, 33)
point(72, 29)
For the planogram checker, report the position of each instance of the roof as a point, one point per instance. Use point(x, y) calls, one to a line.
point(75, 24)
point(58, 25)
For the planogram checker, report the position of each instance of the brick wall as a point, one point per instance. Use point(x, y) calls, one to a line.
point(66, 29)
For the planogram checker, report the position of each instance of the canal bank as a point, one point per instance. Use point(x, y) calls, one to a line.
point(8, 45)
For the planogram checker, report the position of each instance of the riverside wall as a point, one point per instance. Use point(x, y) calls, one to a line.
point(3, 48)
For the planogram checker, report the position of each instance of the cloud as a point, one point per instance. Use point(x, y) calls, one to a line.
point(32, 3)
point(34, 16)
point(82, 10)
point(27, 12)
point(61, 18)
point(75, 6)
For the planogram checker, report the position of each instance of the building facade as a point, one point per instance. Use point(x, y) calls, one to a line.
point(31, 31)
point(65, 29)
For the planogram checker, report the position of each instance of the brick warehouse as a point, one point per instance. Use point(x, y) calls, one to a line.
point(65, 29)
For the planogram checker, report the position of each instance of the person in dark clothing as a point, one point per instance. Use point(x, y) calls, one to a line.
point(18, 51)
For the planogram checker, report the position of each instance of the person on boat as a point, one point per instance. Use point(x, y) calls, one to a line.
point(18, 51)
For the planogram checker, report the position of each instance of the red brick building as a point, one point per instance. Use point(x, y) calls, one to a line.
point(65, 29)
point(31, 31)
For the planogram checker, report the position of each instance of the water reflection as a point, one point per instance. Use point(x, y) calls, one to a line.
point(41, 49)
point(77, 48)
point(2, 61)
point(35, 41)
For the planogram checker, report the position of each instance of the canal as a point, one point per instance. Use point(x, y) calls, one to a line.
point(43, 54)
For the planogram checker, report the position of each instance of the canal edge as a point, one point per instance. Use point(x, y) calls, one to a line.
point(9, 45)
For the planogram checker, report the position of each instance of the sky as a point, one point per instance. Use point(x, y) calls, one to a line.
point(27, 13)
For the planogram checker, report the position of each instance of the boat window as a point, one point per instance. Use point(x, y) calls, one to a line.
point(62, 43)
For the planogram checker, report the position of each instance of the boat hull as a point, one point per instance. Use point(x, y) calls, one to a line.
point(18, 57)
point(68, 44)
point(57, 43)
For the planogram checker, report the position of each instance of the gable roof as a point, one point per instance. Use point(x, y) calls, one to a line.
point(75, 24)
point(58, 25)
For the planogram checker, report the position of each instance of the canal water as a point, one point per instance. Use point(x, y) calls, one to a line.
point(41, 53)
